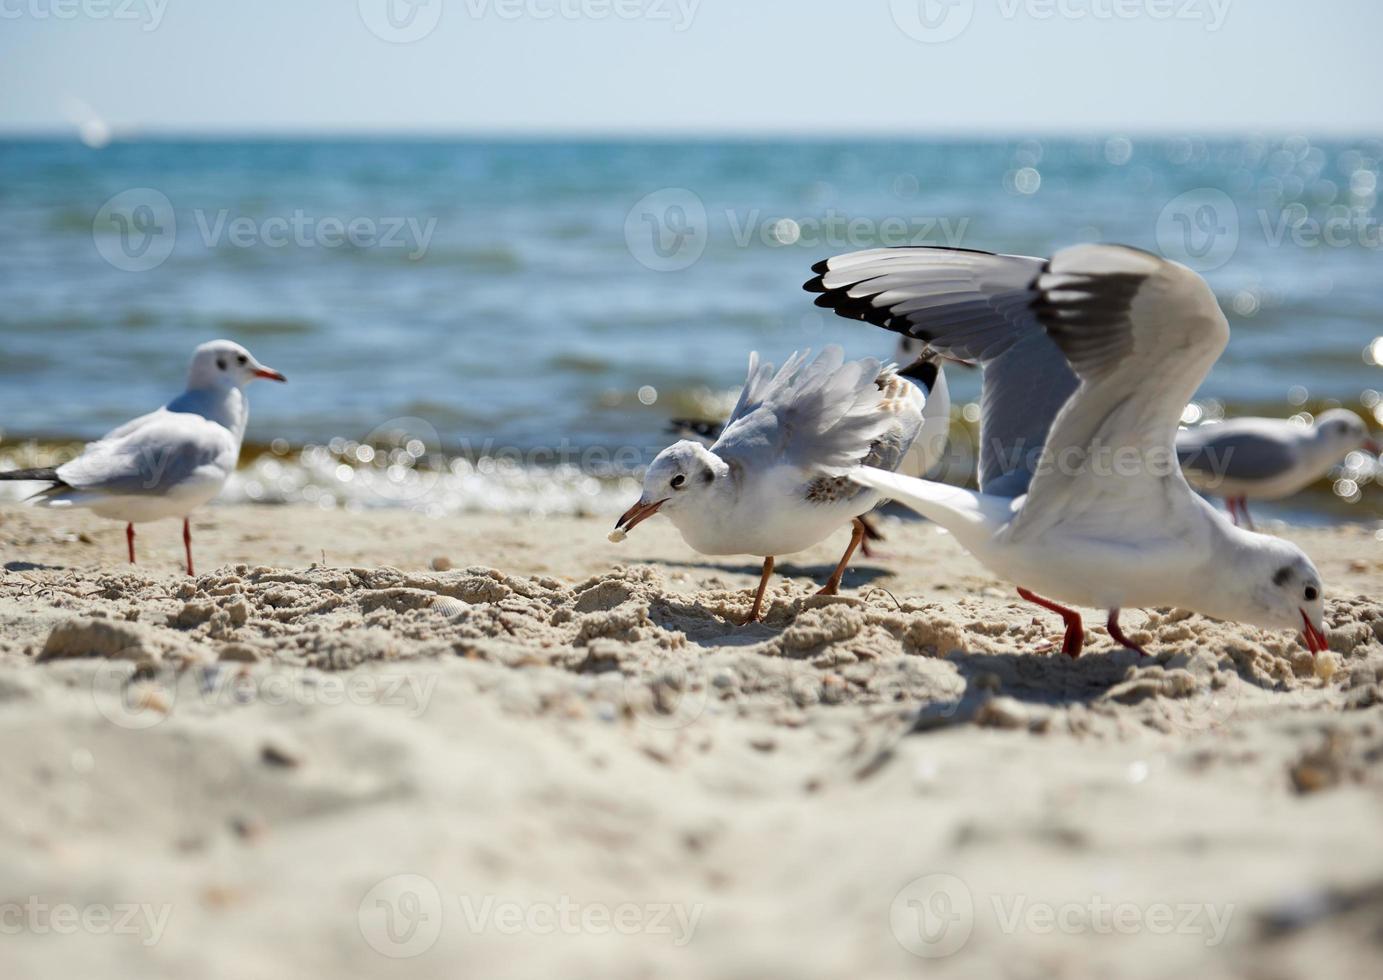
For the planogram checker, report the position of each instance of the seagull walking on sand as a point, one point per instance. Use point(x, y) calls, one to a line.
point(169, 462)
point(1081, 498)
point(776, 480)
point(1268, 459)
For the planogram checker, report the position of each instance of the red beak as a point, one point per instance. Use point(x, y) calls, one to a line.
point(1373, 446)
point(637, 514)
point(269, 373)
point(1315, 640)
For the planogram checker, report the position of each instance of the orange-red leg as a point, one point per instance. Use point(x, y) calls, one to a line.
point(857, 533)
point(129, 540)
point(1075, 632)
point(756, 610)
point(187, 543)
point(1117, 635)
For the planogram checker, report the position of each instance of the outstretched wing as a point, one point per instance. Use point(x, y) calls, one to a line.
point(821, 417)
point(973, 306)
point(1141, 333)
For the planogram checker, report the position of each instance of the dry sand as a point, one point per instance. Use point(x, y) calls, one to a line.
point(326, 757)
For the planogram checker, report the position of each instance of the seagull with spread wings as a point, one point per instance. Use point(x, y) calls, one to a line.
point(1089, 359)
point(777, 479)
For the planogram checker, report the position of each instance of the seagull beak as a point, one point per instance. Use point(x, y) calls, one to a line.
point(1373, 446)
point(637, 514)
point(268, 373)
point(1315, 638)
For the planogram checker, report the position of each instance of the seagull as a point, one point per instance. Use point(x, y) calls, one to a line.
point(1080, 492)
point(776, 479)
point(924, 369)
point(1267, 459)
point(926, 372)
point(169, 462)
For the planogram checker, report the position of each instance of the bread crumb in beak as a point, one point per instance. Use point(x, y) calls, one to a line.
point(617, 535)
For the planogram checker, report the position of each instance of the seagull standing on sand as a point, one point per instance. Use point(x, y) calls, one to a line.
point(1081, 496)
point(777, 481)
point(1268, 459)
point(169, 462)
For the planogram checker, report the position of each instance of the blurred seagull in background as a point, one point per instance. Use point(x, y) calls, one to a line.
point(776, 479)
point(1081, 496)
point(1268, 459)
point(169, 462)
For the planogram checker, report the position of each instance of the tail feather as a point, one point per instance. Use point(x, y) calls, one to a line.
point(44, 474)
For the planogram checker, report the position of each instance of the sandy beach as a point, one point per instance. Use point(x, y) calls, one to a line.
point(383, 744)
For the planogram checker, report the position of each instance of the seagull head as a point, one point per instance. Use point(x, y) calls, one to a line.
point(225, 364)
point(1286, 591)
point(679, 477)
point(1342, 431)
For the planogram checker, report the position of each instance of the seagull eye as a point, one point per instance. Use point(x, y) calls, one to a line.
point(1312, 593)
point(677, 481)
point(242, 359)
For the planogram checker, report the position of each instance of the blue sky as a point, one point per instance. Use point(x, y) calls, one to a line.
point(741, 66)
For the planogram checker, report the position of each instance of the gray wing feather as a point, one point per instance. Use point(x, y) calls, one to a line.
point(821, 416)
point(164, 451)
point(975, 306)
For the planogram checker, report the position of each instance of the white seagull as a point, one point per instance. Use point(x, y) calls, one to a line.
point(1268, 459)
point(777, 481)
point(924, 370)
point(1080, 493)
point(169, 462)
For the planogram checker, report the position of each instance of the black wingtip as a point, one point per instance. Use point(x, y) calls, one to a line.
point(815, 285)
point(822, 267)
